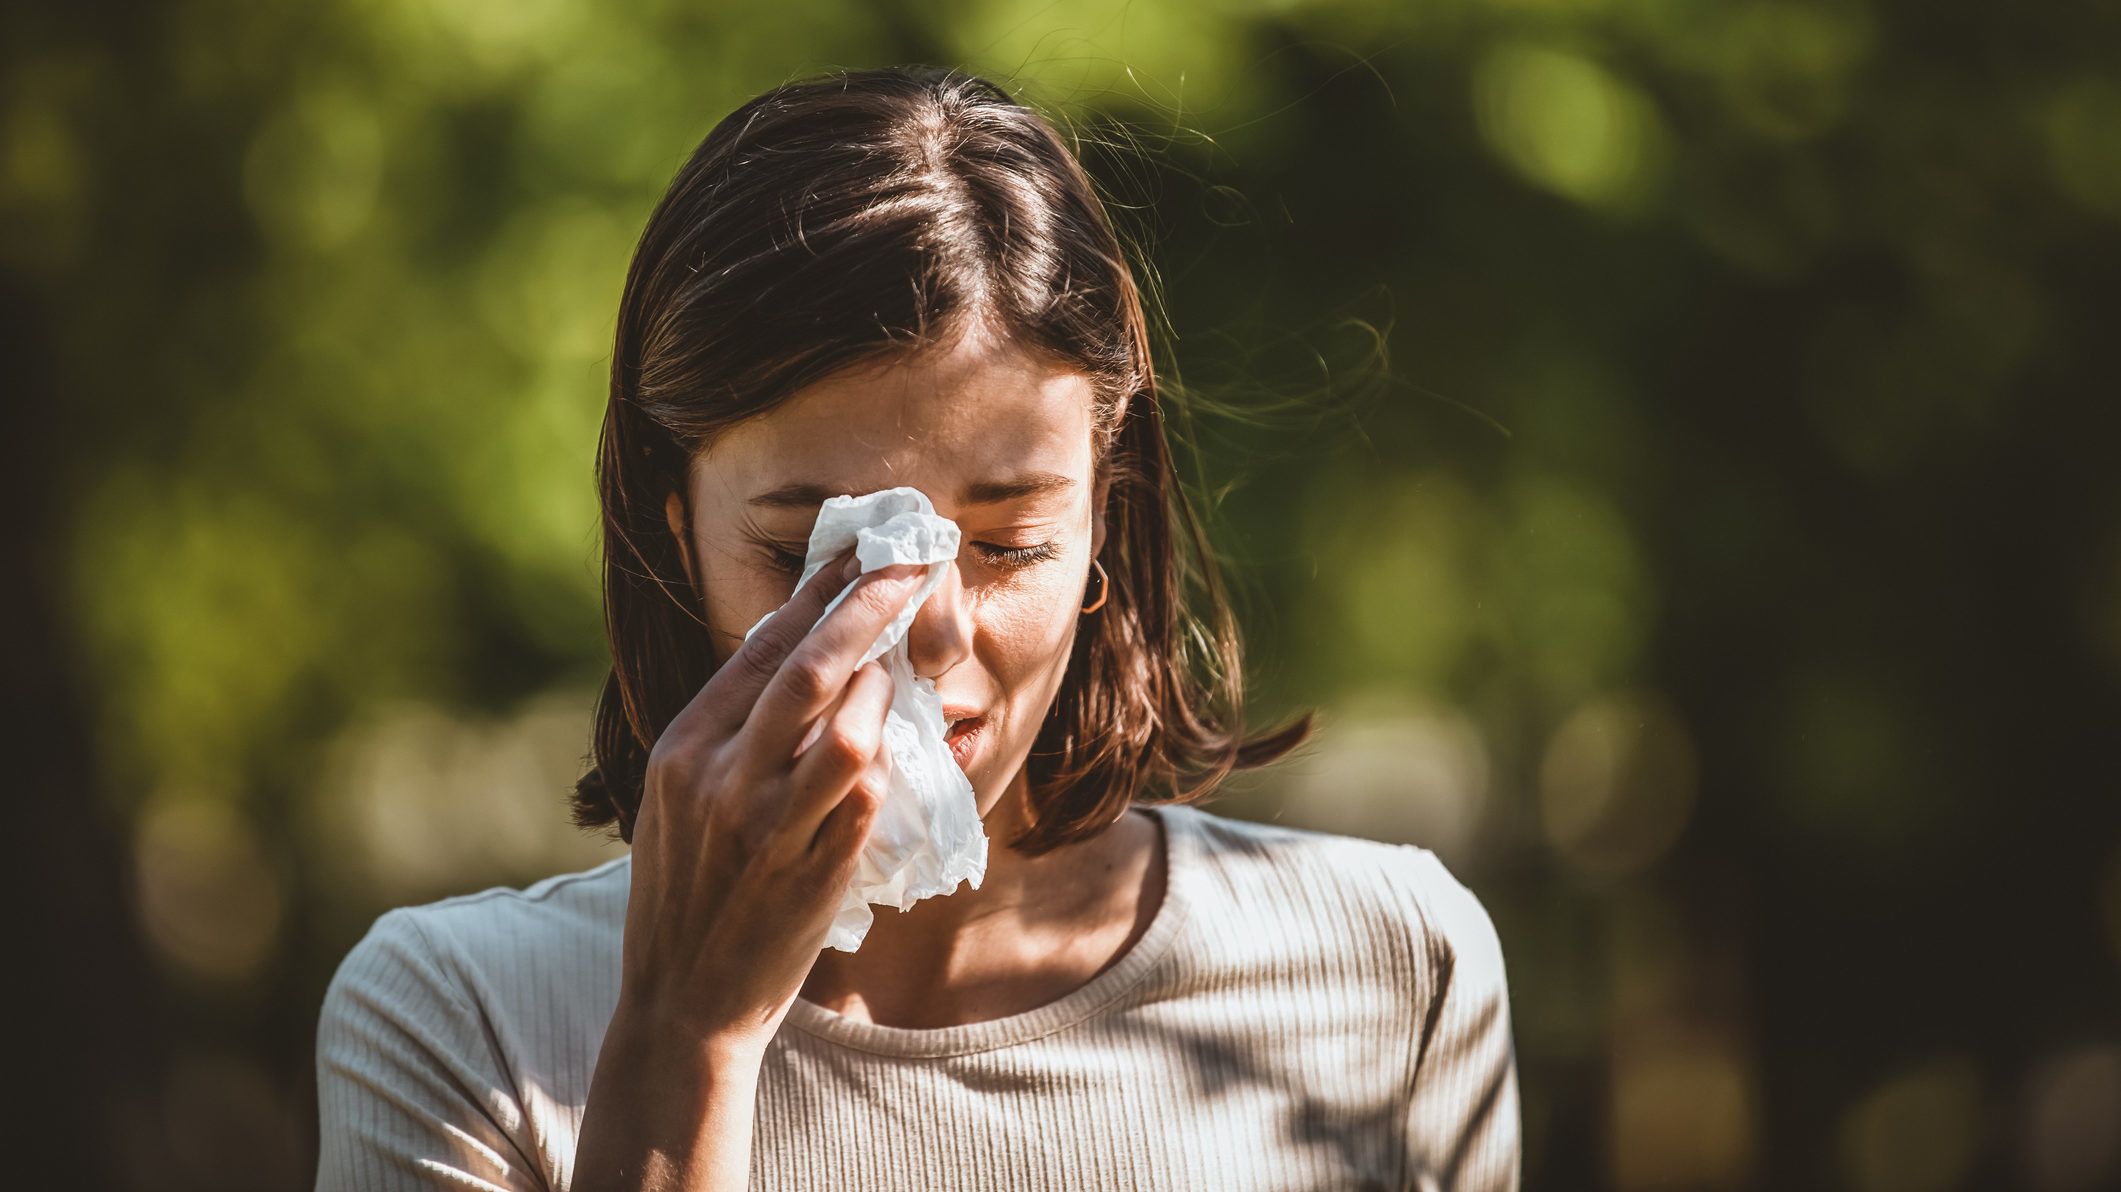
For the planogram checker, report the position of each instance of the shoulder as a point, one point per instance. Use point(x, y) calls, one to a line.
point(1376, 890)
point(449, 1025)
point(1456, 926)
point(1242, 859)
point(499, 922)
point(455, 955)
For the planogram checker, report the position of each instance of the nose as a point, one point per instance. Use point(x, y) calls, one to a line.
point(941, 633)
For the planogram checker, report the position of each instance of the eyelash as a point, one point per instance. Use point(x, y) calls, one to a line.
point(1007, 556)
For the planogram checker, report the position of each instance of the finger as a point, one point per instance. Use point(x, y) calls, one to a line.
point(728, 695)
point(845, 829)
point(816, 671)
point(848, 741)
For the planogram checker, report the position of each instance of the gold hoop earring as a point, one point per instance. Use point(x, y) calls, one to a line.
point(1104, 587)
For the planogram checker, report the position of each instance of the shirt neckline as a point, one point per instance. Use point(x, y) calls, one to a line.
point(1065, 1011)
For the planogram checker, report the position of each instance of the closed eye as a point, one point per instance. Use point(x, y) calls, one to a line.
point(1019, 556)
point(791, 562)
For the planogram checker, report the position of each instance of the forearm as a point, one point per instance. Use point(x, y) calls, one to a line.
point(665, 1115)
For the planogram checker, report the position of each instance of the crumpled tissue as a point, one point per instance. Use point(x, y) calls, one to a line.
point(927, 835)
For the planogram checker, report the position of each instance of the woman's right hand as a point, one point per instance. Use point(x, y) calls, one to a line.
point(758, 799)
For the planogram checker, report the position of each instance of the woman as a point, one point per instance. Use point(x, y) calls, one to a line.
point(874, 279)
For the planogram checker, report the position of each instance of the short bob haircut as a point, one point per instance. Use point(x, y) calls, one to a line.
point(845, 219)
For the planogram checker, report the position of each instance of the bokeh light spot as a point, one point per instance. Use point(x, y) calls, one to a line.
point(314, 170)
point(415, 801)
point(207, 895)
point(1684, 1113)
point(1573, 577)
point(1916, 1131)
point(1854, 778)
point(2072, 1121)
point(1568, 124)
point(1784, 67)
point(2082, 128)
point(1617, 782)
point(1403, 609)
point(1390, 767)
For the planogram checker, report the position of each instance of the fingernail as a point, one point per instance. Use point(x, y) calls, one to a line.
point(853, 567)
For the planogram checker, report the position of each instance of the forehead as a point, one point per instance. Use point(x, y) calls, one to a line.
point(975, 411)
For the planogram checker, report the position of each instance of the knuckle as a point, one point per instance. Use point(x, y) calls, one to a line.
point(754, 663)
point(669, 761)
point(807, 678)
point(727, 796)
point(864, 799)
point(728, 823)
point(845, 748)
point(711, 787)
point(869, 786)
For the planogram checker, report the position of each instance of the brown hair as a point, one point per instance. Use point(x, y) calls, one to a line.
point(840, 220)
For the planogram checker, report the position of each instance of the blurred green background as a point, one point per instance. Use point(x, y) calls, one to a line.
point(1672, 441)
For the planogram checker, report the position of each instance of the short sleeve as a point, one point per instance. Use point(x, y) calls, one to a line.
point(1463, 1130)
point(410, 1093)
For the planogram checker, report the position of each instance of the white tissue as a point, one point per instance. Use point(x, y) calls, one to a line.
point(927, 836)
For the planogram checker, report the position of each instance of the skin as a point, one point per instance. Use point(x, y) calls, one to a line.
point(995, 635)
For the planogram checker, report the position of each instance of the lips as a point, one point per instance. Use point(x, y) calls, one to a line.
point(964, 736)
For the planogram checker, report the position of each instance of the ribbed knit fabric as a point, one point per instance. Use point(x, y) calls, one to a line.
point(1304, 1011)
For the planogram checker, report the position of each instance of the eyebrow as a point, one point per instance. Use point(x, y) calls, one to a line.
point(806, 494)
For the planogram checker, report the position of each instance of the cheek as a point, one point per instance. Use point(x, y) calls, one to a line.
point(737, 595)
point(1029, 630)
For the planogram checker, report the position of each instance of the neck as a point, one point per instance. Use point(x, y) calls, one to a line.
point(965, 955)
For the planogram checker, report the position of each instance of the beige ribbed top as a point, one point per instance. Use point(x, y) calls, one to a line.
point(1304, 1011)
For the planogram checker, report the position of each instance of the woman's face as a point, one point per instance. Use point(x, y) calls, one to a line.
point(1000, 442)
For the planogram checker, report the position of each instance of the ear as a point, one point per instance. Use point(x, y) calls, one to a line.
point(674, 514)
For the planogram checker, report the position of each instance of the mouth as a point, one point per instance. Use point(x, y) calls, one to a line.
point(964, 736)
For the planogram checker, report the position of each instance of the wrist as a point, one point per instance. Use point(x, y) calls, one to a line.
point(668, 1106)
point(646, 1028)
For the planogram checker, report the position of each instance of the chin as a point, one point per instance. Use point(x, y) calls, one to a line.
point(988, 790)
